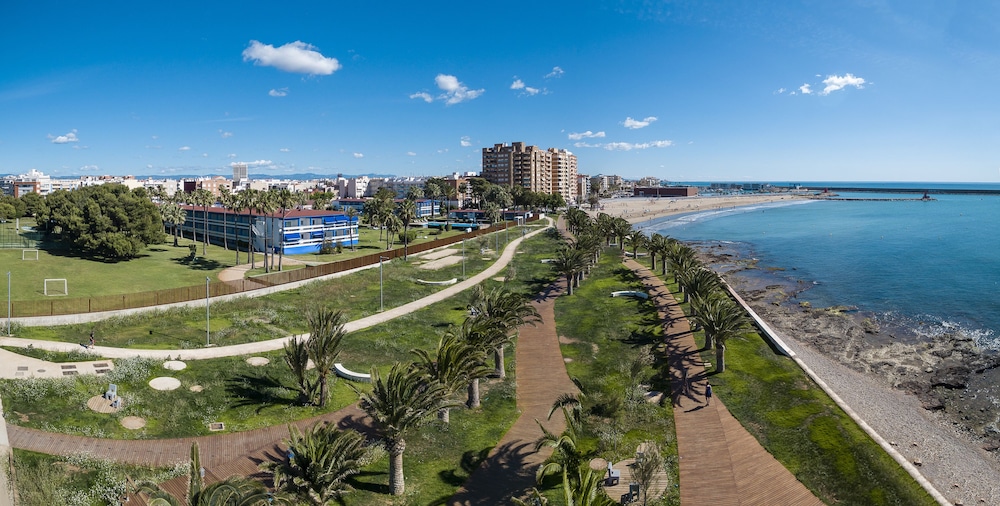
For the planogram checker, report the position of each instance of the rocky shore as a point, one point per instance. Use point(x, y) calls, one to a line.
point(934, 394)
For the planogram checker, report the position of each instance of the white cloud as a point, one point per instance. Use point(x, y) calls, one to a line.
point(231, 155)
point(359, 155)
point(805, 89)
point(466, 141)
point(284, 150)
point(280, 92)
point(834, 83)
point(297, 57)
point(410, 153)
point(556, 72)
point(585, 135)
point(454, 91)
point(628, 146)
point(204, 155)
point(585, 145)
point(423, 95)
point(64, 139)
point(779, 91)
point(255, 163)
point(517, 84)
point(525, 90)
point(225, 135)
point(92, 168)
point(184, 148)
point(635, 124)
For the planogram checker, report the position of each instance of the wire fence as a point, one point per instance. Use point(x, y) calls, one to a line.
point(64, 306)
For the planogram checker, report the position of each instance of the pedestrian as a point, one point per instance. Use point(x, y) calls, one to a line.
point(91, 339)
point(708, 395)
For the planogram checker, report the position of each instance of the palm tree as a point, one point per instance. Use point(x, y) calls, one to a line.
point(398, 403)
point(174, 215)
point(326, 331)
point(658, 245)
point(449, 194)
point(248, 199)
point(586, 490)
point(700, 283)
point(321, 459)
point(407, 212)
point(569, 262)
point(233, 491)
point(621, 228)
point(285, 200)
point(297, 358)
point(352, 218)
point(230, 202)
point(203, 198)
point(266, 204)
point(391, 224)
point(635, 240)
point(504, 311)
point(453, 365)
point(566, 455)
point(721, 319)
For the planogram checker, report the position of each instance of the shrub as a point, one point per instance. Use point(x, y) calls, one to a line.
point(326, 247)
point(408, 237)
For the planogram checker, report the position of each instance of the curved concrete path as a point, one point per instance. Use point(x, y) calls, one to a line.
point(277, 344)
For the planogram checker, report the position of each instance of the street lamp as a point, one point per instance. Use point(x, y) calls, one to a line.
point(208, 318)
point(463, 258)
point(381, 302)
point(8, 303)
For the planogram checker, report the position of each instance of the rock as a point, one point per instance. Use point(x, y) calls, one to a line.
point(918, 462)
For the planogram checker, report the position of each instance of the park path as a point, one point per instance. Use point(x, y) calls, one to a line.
point(720, 462)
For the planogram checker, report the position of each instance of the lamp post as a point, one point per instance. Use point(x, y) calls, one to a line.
point(381, 301)
point(8, 303)
point(463, 258)
point(208, 318)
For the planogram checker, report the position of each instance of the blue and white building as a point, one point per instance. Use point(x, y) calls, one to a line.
point(297, 232)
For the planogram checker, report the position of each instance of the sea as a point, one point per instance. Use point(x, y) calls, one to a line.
point(931, 267)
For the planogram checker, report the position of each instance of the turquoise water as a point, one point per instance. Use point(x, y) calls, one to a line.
point(929, 266)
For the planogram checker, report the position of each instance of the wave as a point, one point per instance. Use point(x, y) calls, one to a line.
point(679, 220)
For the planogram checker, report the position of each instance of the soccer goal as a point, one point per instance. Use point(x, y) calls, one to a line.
point(56, 284)
point(29, 254)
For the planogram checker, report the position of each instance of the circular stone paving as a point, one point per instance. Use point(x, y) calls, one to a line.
point(133, 422)
point(258, 361)
point(101, 405)
point(174, 365)
point(196, 388)
point(165, 383)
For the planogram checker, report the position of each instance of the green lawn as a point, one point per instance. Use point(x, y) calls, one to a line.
point(803, 428)
point(615, 351)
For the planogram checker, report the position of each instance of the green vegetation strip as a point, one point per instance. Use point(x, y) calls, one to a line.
point(613, 347)
point(803, 428)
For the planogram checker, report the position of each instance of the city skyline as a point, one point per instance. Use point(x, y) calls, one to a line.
point(691, 91)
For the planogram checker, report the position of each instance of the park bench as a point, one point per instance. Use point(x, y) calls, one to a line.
point(614, 475)
point(349, 375)
point(112, 392)
point(630, 293)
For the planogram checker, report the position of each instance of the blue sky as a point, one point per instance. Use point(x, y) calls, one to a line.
point(685, 91)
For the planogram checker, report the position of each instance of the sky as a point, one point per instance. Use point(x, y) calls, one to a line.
point(781, 91)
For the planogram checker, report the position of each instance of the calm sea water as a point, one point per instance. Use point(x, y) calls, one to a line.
point(929, 266)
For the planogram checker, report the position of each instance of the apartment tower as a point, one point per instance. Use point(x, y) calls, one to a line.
point(545, 171)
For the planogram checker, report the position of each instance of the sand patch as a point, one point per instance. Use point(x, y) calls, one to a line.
point(196, 388)
point(174, 365)
point(441, 253)
point(165, 383)
point(442, 262)
point(258, 361)
point(133, 422)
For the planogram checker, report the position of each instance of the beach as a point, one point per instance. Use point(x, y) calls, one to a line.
point(910, 392)
point(639, 209)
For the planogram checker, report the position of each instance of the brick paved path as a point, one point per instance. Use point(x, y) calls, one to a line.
point(720, 462)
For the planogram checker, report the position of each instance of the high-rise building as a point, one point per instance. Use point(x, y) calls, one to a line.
point(517, 164)
point(240, 175)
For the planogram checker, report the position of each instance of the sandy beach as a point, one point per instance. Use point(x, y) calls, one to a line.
point(638, 209)
point(877, 379)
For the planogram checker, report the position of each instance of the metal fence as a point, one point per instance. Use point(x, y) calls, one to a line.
point(61, 306)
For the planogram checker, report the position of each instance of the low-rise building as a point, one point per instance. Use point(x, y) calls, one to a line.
point(294, 233)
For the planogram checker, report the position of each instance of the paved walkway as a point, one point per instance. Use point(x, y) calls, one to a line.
point(720, 462)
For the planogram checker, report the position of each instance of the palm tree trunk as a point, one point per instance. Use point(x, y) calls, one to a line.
point(397, 485)
point(444, 414)
point(708, 341)
point(720, 358)
point(324, 392)
point(473, 401)
point(498, 362)
point(569, 282)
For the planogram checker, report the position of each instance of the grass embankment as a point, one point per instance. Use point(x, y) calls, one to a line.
point(613, 347)
point(803, 428)
point(251, 319)
point(438, 458)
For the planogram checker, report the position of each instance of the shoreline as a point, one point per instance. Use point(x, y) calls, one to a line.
point(905, 392)
point(639, 209)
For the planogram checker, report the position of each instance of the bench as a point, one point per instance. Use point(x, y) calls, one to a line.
point(630, 293)
point(614, 476)
point(112, 392)
point(451, 281)
point(349, 375)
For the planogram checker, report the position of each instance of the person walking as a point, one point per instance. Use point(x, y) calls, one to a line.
point(708, 394)
point(91, 339)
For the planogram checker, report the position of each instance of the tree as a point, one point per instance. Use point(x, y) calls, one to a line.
point(266, 204)
point(399, 403)
point(621, 228)
point(657, 246)
point(320, 461)
point(107, 221)
point(504, 311)
point(248, 199)
point(407, 212)
point(453, 365)
point(326, 332)
point(297, 359)
point(233, 491)
point(352, 219)
point(34, 204)
point(569, 262)
point(172, 213)
point(635, 240)
point(228, 201)
point(235, 203)
point(285, 200)
point(721, 319)
point(647, 468)
point(205, 199)
point(392, 224)
point(566, 455)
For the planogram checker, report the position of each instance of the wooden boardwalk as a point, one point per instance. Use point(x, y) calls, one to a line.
point(720, 462)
